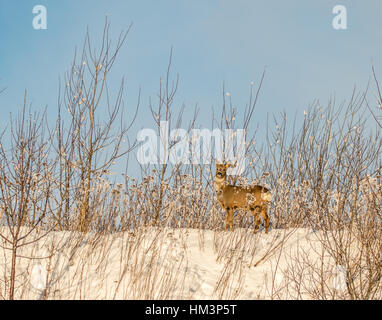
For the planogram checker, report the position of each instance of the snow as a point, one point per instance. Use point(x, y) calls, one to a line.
point(153, 263)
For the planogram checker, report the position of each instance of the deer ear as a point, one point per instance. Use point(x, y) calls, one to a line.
point(231, 165)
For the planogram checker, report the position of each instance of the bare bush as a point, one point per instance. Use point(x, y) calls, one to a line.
point(97, 238)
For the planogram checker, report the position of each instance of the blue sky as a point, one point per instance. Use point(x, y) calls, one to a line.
point(214, 42)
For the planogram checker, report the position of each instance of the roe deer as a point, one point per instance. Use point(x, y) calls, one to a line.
point(253, 198)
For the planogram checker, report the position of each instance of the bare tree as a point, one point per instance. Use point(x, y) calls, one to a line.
point(378, 118)
point(26, 184)
point(88, 146)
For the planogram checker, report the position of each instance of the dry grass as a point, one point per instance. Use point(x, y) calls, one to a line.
point(64, 217)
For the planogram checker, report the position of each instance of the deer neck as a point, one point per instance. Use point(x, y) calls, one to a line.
point(220, 183)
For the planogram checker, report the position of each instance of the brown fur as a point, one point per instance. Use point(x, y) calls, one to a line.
point(251, 198)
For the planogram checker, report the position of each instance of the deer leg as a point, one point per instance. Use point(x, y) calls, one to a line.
point(229, 219)
point(257, 219)
point(264, 214)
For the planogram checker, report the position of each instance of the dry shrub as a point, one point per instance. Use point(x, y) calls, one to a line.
point(324, 170)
